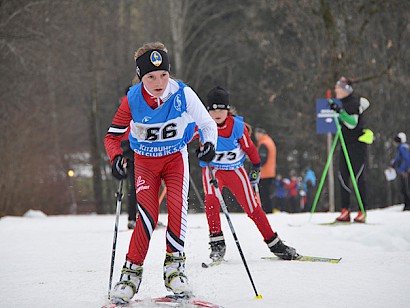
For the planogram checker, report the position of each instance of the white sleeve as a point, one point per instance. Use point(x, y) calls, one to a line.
point(200, 115)
point(364, 104)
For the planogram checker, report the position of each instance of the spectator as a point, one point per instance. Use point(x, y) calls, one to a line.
point(280, 194)
point(402, 163)
point(267, 154)
point(293, 192)
point(356, 138)
point(309, 182)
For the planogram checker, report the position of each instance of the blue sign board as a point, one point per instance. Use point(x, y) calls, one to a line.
point(325, 119)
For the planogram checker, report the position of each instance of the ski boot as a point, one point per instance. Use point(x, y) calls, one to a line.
point(360, 218)
point(127, 287)
point(218, 247)
point(280, 250)
point(174, 276)
point(344, 216)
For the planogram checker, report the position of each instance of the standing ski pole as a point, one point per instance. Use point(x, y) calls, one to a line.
point(328, 162)
point(118, 196)
point(214, 182)
point(349, 167)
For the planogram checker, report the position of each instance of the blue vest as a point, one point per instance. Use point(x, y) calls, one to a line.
point(163, 131)
point(229, 154)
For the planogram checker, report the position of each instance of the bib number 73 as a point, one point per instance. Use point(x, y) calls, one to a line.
point(225, 156)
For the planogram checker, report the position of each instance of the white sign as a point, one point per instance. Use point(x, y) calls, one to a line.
point(390, 174)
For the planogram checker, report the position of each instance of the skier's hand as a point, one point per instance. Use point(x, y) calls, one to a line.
point(118, 167)
point(255, 175)
point(206, 153)
point(334, 106)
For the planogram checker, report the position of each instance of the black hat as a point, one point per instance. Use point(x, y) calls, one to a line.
point(217, 98)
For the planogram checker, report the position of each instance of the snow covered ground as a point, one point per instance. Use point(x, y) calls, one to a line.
point(64, 261)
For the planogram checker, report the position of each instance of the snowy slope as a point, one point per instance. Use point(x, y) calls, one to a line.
point(64, 261)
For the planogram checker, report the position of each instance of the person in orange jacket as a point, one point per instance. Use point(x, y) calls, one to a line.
point(267, 153)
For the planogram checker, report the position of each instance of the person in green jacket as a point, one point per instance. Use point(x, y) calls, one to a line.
point(356, 138)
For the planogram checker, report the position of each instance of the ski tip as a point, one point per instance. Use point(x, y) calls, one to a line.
point(258, 296)
point(110, 305)
point(212, 264)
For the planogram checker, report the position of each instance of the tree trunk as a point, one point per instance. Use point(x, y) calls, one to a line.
point(95, 156)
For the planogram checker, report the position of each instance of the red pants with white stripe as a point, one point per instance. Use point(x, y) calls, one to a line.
point(237, 182)
point(149, 171)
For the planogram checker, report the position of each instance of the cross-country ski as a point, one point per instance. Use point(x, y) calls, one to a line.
point(308, 259)
point(338, 223)
point(166, 301)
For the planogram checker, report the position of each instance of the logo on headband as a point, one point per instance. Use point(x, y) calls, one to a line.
point(156, 58)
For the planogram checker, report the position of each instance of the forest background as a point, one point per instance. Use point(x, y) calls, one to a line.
point(65, 64)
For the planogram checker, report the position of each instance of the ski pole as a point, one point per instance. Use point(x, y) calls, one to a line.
point(214, 182)
point(329, 160)
point(162, 196)
point(258, 196)
point(349, 167)
point(118, 196)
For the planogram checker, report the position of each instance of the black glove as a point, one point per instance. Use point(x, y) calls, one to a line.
point(255, 175)
point(118, 168)
point(207, 153)
point(334, 106)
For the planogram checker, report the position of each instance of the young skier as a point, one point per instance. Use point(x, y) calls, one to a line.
point(162, 113)
point(234, 143)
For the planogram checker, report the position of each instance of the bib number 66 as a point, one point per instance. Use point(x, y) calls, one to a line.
point(161, 133)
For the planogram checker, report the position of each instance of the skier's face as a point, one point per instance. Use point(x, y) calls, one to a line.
point(156, 82)
point(219, 115)
point(340, 92)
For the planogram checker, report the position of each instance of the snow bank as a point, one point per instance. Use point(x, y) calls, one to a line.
point(34, 214)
